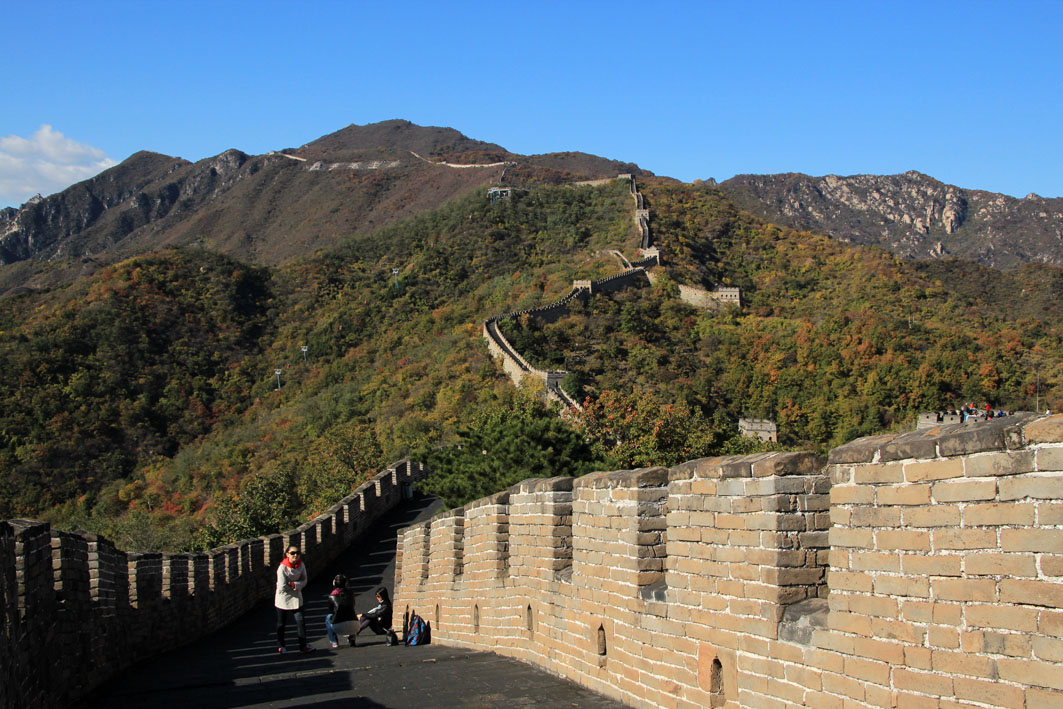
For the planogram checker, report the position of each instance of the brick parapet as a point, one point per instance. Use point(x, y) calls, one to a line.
point(415, 561)
point(619, 281)
point(486, 542)
point(446, 545)
point(904, 570)
point(77, 610)
point(947, 547)
point(73, 600)
point(540, 517)
point(621, 515)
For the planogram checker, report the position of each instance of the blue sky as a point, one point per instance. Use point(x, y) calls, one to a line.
point(967, 92)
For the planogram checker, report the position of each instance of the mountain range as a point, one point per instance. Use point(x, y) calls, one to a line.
point(273, 208)
point(912, 215)
point(265, 209)
point(198, 352)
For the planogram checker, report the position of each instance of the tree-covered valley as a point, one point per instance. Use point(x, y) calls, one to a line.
point(143, 402)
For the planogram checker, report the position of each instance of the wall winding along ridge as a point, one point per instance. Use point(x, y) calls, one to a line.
point(77, 610)
point(513, 363)
point(914, 570)
point(517, 367)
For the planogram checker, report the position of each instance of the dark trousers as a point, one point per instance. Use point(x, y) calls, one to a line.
point(300, 626)
point(373, 624)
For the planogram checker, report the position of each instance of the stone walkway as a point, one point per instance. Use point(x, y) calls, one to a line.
point(239, 666)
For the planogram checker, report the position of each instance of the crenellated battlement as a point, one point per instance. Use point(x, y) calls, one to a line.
point(903, 570)
point(77, 610)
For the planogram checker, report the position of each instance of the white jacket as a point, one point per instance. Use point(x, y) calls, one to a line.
point(290, 584)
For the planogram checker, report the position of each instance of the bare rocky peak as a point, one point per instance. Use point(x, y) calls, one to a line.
point(912, 215)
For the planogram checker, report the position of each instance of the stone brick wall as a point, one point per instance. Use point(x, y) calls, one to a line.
point(515, 366)
point(76, 610)
point(619, 281)
point(512, 362)
point(710, 300)
point(914, 570)
point(8, 610)
point(762, 429)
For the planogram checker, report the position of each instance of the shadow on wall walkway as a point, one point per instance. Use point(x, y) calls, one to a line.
point(239, 665)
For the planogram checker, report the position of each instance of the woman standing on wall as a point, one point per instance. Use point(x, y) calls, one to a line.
point(291, 578)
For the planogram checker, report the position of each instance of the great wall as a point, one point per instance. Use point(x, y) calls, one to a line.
point(517, 367)
point(77, 610)
point(904, 570)
point(914, 570)
point(320, 165)
point(463, 166)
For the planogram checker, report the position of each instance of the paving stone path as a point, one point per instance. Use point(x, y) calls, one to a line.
point(239, 666)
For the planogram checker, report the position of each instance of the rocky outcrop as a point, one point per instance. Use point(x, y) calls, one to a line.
point(912, 215)
point(43, 227)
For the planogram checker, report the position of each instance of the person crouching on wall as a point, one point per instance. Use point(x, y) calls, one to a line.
point(341, 617)
point(291, 578)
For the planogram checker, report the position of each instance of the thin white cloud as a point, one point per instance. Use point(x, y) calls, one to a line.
point(45, 163)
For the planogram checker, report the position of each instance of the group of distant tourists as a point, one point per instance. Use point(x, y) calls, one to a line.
point(342, 620)
point(970, 412)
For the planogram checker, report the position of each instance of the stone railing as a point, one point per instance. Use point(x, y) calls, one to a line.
point(77, 610)
point(915, 570)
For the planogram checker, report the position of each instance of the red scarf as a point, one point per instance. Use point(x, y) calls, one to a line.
point(287, 562)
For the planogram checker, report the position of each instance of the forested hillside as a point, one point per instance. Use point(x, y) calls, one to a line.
point(143, 402)
point(147, 393)
point(832, 342)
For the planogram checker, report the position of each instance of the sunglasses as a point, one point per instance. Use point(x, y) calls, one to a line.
point(293, 553)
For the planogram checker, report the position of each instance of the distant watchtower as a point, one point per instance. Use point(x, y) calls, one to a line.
point(762, 429)
point(496, 193)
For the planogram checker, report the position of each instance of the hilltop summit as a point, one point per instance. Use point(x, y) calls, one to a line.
point(396, 135)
